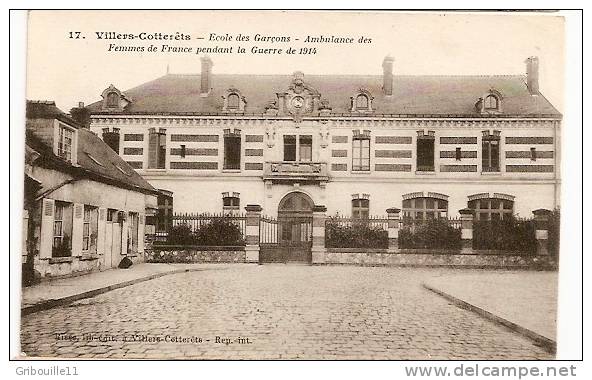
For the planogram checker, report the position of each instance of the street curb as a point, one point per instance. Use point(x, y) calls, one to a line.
point(548, 344)
point(52, 303)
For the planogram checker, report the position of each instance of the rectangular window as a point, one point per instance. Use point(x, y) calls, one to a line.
point(490, 152)
point(425, 154)
point(183, 151)
point(132, 237)
point(289, 148)
point(232, 152)
point(157, 149)
point(458, 155)
point(306, 148)
point(361, 153)
point(89, 229)
point(533, 155)
point(65, 141)
point(360, 208)
point(231, 204)
point(62, 230)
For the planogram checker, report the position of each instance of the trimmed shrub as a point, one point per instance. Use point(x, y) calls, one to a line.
point(360, 234)
point(433, 234)
point(181, 235)
point(508, 234)
point(218, 232)
point(554, 233)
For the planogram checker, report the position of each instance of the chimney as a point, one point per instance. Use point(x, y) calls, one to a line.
point(532, 75)
point(387, 77)
point(111, 138)
point(206, 75)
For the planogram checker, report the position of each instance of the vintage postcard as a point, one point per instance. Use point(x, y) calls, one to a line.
point(282, 185)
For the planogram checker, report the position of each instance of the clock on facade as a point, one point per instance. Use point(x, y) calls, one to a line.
point(298, 102)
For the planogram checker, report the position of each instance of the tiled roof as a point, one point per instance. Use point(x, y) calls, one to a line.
point(46, 109)
point(412, 95)
point(94, 158)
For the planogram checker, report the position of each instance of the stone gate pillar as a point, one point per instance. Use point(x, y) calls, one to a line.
point(393, 229)
point(318, 234)
point(541, 222)
point(466, 232)
point(252, 238)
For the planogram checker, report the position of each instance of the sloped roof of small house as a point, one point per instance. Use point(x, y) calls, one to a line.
point(412, 94)
point(95, 159)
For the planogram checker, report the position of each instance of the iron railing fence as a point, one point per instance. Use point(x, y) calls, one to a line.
point(380, 222)
point(268, 231)
point(413, 223)
point(196, 221)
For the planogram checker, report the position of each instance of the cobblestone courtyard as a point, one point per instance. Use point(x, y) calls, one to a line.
point(274, 312)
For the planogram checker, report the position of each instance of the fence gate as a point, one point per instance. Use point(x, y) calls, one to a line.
point(287, 239)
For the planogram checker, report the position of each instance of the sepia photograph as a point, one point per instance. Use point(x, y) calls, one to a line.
point(291, 185)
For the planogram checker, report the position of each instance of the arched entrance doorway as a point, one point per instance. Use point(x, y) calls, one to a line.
point(294, 231)
point(295, 222)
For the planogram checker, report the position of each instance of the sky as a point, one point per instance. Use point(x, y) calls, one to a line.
point(69, 70)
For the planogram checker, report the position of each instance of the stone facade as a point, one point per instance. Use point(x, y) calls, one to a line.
point(299, 133)
point(385, 182)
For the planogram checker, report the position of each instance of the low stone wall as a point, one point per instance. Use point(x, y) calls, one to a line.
point(430, 259)
point(195, 254)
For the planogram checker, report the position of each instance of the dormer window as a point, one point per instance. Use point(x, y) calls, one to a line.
point(491, 103)
point(65, 138)
point(234, 102)
point(362, 101)
point(65, 142)
point(112, 100)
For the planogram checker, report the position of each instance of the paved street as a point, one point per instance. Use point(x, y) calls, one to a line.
point(274, 312)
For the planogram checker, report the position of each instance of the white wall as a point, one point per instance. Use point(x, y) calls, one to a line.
point(201, 190)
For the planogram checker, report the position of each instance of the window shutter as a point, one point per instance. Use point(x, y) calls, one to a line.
point(152, 150)
point(47, 226)
point(48, 207)
point(78, 209)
